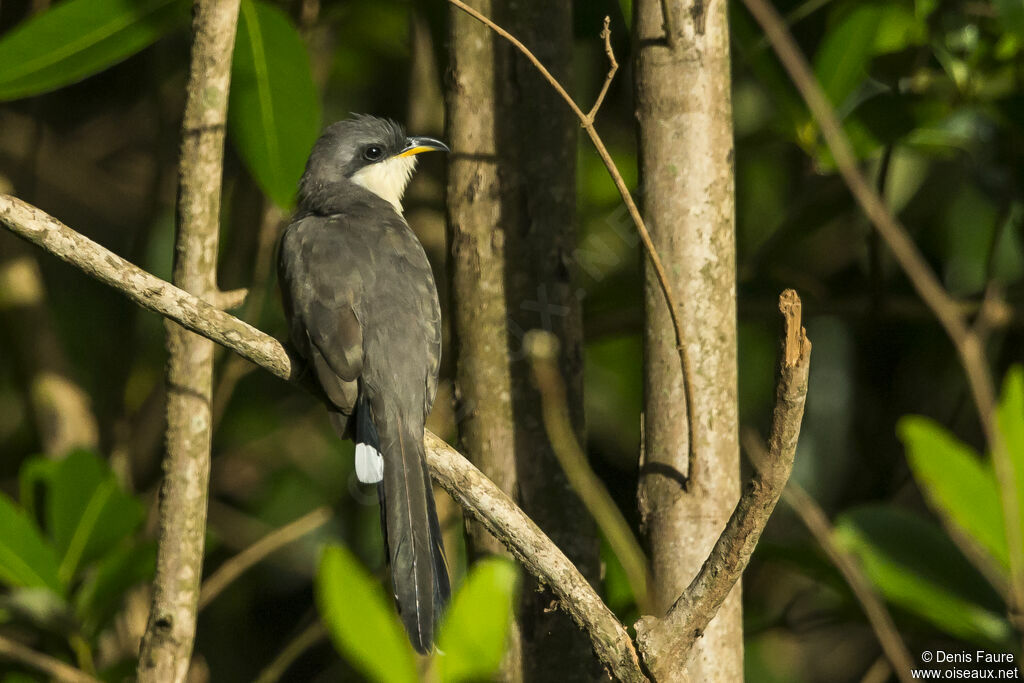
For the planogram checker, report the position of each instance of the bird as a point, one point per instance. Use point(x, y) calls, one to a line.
point(363, 313)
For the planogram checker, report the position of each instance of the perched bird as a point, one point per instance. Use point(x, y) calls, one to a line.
point(364, 314)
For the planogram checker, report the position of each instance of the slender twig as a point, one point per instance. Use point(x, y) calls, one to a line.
point(634, 213)
point(258, 551)
point(475, 492)
point(817, 523)
point(613, 67)
point(542, 348)
point(672, 638)
point(917, 270)
point(295, 648)
point(54, 668)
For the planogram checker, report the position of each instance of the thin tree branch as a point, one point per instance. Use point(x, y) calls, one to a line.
point(669, 24)
point(917, 270)
point(295, 648)
point(477, 494)
point(817, 523)
point(634, 213)
point(258, 551)
point(694, 609)
point(52, 667)
point(613, 67)
point(542, 348)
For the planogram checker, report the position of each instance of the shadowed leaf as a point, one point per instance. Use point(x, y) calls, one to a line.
point(957, 483)
point(87, 512)
point(79, 38)
point(274, 109)
point(26, 559)
point(916, 567)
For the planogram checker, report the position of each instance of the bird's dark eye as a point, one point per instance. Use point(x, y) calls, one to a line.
point(373, 153)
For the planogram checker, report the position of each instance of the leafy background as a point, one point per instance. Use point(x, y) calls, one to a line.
point(930, 93)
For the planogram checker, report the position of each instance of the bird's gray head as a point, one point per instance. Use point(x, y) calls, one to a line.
point(368, 151)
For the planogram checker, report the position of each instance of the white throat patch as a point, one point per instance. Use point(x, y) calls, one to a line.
point(387, 179)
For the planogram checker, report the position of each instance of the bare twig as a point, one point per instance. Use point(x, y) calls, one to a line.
point(230, 299)
point(817, 523)
point(917, 270)
point(542, 348)
point(613, 67)
point(477, 494)
point(668, 22)
point(694, 609)
point(167, 644)
point(258, 551)
point(634, 213)
point(54, 668)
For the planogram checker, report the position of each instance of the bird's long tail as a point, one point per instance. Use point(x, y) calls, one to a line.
point(412, 533)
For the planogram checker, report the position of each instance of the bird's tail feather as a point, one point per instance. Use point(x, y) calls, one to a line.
point(412, 535)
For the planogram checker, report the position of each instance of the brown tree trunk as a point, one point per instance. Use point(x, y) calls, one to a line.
point(511, 202)
point(170, 633)
point(686, 169)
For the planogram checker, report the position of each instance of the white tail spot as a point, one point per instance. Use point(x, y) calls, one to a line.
point(369, 464)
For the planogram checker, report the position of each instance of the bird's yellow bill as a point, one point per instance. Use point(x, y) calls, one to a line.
point(418, 150)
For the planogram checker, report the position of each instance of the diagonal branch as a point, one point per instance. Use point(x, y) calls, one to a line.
point(54, 668)
point(475, 492)
point(542, 349)
point(254, 554)
point(663, 639)
point(878, 616)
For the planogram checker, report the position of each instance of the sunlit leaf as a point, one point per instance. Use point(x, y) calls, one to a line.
point(26, 559)
point(274, 109)
point(1011, 427)
point(362, 625)
point(87, 512)
point(958, 484)
point(78, 38)
point(915, 566)
point(474, 635)
point(1011, 14)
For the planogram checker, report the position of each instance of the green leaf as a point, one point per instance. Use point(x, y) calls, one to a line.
point(87, 512)
point(1011, 13)
point(361, 623)
point(26, 559)
point(35, 472)
point(274, 109)
point(842, 60)
point(1011, 427)
point(104, 588)
point(915, 566)
point(474, 635)
point(79, 38)
point(957, 483)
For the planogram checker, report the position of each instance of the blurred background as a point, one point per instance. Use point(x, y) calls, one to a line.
point(931, 93)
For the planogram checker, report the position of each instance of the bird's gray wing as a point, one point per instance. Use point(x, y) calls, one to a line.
point(319, 304)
